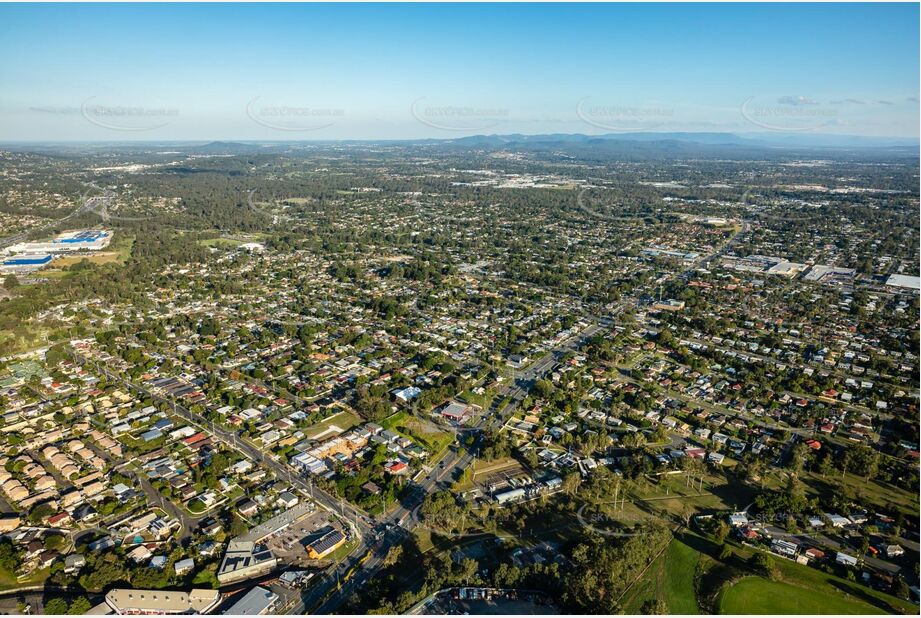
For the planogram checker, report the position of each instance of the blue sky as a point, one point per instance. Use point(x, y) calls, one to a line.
point(235, 71)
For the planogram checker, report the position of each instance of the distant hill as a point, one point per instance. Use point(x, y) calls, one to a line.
point(223, 148)
point(749, 139)
point(612, 146)
point(578, 138)
point(647, 146)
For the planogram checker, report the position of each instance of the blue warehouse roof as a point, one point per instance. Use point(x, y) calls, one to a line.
point(26, 260)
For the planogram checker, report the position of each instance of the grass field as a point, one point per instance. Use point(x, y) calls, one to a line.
point(873, 491)
point(229, 242)
point(680, 567)
point(670, 578)
point(344, 420)
point(756, 595)
point(483, 400)
point(9, 581)
point(428, 435)
point(481, 471)
point(342, 552)
point(423, 539)
point(717, 493)
point(22, 339)
point(484, 469)
point(100, 257)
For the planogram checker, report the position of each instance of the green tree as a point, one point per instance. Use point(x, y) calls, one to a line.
point(56, 607)
point(40, 513)
point(798, 457)
point(102, 573)
point(571, 483)
point(825, 466)
point(763, 565)
point(238, 525)
point(654, 607)
point(53, 541)
point(10, 282)
point(901, 588)
point(79, 606)
point(721, 532)
point(9, 556)
point(393, 555)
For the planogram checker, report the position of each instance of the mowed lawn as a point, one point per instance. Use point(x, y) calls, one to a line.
point(680, 568)
point(671, 579)
point(756, 595)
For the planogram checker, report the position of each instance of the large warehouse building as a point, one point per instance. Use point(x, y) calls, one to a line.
point(66, 242)
point(908, 282)
point(28, 260)
point(81, 237)
point(25, 263)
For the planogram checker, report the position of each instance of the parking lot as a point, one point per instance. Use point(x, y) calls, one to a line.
point(288, 544)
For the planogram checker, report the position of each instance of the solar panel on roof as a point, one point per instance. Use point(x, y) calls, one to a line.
point(327, 541)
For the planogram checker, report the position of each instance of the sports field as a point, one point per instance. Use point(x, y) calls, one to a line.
point(756, 595)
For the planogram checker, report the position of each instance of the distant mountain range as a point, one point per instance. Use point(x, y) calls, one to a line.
point(637, 146)
point(677, 143)
point(798, 140)
point(651, 146)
